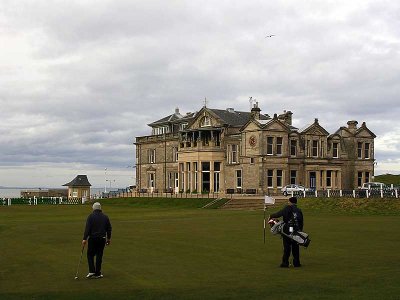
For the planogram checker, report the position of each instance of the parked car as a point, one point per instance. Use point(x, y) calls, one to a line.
point(288, 189)
point(374, 186)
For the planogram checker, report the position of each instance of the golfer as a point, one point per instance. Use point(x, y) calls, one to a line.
point(97, 235)
point(293, 219)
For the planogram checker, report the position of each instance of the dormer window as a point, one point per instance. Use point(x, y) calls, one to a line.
point(206, 121)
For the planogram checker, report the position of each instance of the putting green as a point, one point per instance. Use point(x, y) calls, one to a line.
point(162, 251)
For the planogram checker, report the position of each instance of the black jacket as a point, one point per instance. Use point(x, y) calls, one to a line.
point(289, 214)
point(97, 226)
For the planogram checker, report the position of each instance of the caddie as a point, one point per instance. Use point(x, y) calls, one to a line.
point(293, 219)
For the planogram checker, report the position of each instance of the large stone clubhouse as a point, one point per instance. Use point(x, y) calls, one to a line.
point(228, 151)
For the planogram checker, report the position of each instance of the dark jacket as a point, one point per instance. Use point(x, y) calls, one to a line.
point(97, 226)
point(290, 214)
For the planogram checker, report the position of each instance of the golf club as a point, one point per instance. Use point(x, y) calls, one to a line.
point(79, 263)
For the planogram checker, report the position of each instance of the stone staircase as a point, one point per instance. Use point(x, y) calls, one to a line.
point(253, 202)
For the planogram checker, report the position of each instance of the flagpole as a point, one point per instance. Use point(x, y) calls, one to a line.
point(264, 220)
point(267, 200)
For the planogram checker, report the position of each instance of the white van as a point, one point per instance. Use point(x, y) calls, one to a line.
point(373, 186)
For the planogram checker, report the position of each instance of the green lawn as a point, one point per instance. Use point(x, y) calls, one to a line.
point(162, 251)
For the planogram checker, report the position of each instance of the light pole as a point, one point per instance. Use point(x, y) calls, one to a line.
point(105, 180)
point(110, 182)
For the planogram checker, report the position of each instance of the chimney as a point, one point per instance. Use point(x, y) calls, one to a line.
point(352, 126)
point(177, 110)
point(286, 117)
point(255, 111)
point(230, 109)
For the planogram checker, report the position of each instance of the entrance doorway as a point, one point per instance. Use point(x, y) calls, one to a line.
point(313, 180)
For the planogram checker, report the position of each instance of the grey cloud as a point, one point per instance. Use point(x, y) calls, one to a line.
point(92, 74)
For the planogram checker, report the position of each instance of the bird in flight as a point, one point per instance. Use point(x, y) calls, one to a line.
point(271, 35)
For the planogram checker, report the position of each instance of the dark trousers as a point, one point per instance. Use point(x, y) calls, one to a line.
point(95, 248)
point(290, 246)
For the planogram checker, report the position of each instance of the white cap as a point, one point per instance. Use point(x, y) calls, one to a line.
point(96, 205)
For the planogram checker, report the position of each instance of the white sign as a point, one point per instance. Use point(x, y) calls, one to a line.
point(269, 200)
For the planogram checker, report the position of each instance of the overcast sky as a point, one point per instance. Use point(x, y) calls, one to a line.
point(79, 80)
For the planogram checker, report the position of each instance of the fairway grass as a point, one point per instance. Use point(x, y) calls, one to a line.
point(181, 252)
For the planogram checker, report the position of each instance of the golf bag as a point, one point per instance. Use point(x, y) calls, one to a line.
point(299, 237)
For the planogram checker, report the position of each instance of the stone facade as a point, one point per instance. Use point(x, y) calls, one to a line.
point(228, 151)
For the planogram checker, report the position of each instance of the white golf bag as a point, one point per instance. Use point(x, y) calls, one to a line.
point(298, 236)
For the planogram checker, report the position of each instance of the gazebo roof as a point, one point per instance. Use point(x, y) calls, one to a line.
point(80, 180)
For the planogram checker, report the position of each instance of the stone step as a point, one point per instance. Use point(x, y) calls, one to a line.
point(252, 203)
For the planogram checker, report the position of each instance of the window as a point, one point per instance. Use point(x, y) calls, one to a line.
point(279, 176)
point(171, 178)
point(322, 149)
point(359, 179)
point(233, 155)
point(366, 150)
point(270, 144)
point(270, 177)
point(189, 176)
point(152, 156)
point(329, 178)
point(279, 145)
point(293, 147)
point(152, 180)
point(182, 176)
point(293, 176)
point(195, 175)
point(205, 166)
point(335, 153)
point(366, 176)
point(217, 169)
point(238, 174)
point(315, 148)
point(359, 150)
point(183, 126)
point(252, 160)
point(160, 130)
point(175, 154)
point(206, 121)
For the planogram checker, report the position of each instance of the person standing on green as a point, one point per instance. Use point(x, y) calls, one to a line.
point(97, 235)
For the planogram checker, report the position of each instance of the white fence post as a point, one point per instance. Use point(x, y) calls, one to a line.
point(396, 193)
point(354, 193)
point(329, 193)
point(341, 193)
point(367, 193)
point(381, 193)
point(304, 193)
point(9, 201)
point(316, 193)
